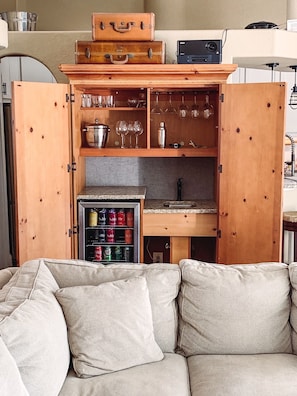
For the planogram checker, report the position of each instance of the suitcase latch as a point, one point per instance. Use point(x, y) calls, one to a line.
point(87, 53)
point(122, 28)
point(121, 59)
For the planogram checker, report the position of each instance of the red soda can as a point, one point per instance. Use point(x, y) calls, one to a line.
point(112, 217)
point(128, 236)
point(130, 218)
point(110, 235)
point(98, 253)
point(121, 217)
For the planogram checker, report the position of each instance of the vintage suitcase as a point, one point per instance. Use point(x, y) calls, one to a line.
point(123, 26)
point(120, 52)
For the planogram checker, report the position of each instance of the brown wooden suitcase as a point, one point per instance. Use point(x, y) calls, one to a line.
point(120, 52)
point(123, 26)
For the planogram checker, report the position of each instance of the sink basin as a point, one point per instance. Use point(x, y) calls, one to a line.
point(179, 204)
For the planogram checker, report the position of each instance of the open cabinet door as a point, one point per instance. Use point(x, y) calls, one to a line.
point(250, 179)
point(42, 152)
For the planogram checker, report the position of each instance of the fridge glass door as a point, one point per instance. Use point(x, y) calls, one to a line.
point(109, 231)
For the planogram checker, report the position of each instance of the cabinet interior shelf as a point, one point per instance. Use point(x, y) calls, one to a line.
point(114, 108)
point(149, 152)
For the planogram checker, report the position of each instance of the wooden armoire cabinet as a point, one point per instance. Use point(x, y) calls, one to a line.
point(244, 137)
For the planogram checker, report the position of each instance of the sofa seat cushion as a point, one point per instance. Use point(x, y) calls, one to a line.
point(168, 377)
point(244, 375)
point(163, 281)
point(234, 309)
point(33, 328)
point(110, 326)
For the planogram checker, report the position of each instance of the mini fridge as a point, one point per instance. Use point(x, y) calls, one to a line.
point(109, 232)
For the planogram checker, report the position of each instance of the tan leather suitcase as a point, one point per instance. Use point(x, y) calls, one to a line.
point(120, 52)
point(123, 26)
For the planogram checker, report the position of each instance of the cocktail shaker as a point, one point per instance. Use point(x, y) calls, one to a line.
point(161, 135)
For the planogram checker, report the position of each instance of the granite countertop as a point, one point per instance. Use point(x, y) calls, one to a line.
point(135, 192)
point(156, 206)
point(113, 193)
point(290, 181)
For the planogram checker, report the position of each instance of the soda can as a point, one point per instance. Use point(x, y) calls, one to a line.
point(112, 217)
point(107, 253)
point(102, 216)
point(128, 236)
point(121, 217)
point(130, 218)
point(118, 253)
point(127, 254)
point(101, 236)
point(98, 253)
point(93, 218)
point(110, 235)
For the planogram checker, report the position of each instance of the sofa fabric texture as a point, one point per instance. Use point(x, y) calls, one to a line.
point(241, 309)
point(163, 282)
point(110, 326)
point(293, 317)
point(195, 329)
point(33, 328)
point(10, 378)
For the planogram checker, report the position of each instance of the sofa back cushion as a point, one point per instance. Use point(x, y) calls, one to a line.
point(33, 328)
point(234, 309)
point(163, 281)
point(6, 274)
point(293, 315)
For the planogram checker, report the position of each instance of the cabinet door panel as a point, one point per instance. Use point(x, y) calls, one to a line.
point(251, 141)
point(42, 181)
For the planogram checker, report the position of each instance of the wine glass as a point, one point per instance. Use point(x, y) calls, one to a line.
point(157, 108)
point(138, 130)
point(170, 109)
point(122, 130)
point(195, 108)
point(183, 108)
point(130, 131)
point(208, 110)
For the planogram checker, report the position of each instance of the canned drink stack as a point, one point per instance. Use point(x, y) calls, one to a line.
point(107, 253)
point(112, 218)
point(128, 236)
point(98, 253)
point(121, 217)
point(93, 218)
point(129, 218)
point(102, 216)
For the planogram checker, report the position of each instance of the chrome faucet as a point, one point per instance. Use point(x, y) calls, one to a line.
point(179, 189)
point(292, 162)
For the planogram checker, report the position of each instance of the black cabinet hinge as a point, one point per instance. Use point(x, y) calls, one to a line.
point(71, 167)
point(4, 89)
point(70, 98)
point(222, 97)
point(219, 233)
point(220, 168)
point(73, 231)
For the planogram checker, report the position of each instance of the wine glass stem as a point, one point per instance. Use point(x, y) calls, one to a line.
point(123, 141)
point(136, 141)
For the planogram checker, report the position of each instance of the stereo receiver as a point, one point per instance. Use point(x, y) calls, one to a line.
point(199, 51)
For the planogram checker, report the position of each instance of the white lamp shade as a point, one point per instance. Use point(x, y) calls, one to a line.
point(3, 34)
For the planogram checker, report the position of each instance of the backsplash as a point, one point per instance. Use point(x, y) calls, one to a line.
point(159, 175)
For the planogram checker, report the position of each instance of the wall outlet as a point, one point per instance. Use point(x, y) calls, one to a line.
point(157, 257)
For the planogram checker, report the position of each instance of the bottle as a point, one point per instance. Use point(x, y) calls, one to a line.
point(161, 135)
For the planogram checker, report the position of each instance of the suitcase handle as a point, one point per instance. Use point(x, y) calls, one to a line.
point(118, 62)
point(122, 29)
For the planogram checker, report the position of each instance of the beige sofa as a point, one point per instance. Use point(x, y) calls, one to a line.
point(73, 328)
